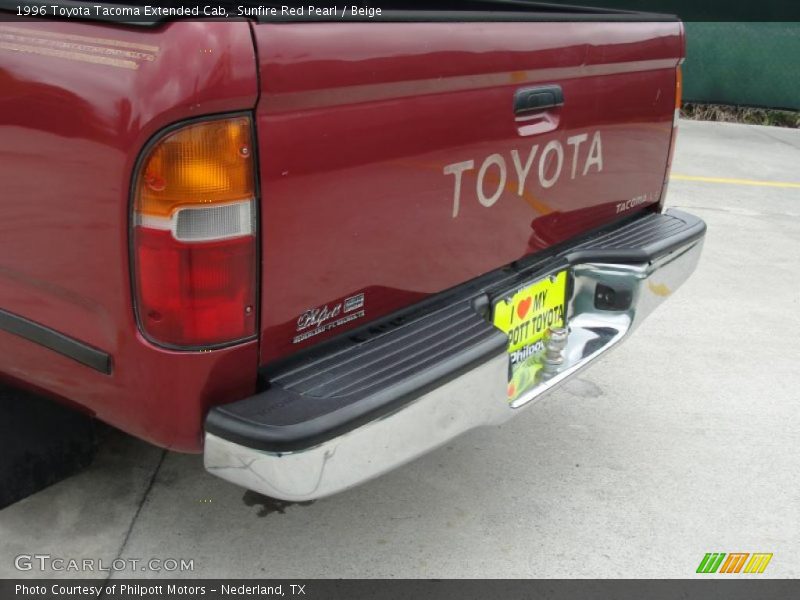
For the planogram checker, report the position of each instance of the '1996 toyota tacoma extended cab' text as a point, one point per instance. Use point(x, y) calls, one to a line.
point(316, 249)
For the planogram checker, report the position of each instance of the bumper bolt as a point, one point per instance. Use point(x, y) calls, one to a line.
point(554, 352)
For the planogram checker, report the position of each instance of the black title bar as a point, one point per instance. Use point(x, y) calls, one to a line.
point(154, 12)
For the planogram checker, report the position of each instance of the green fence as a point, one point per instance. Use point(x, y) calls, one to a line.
point(750, 64)
point(747, 63)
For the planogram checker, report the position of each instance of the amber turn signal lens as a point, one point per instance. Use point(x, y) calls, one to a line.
point(202, 163)
point(678, 87)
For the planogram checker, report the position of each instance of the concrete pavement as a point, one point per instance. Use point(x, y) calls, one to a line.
point(683, 441)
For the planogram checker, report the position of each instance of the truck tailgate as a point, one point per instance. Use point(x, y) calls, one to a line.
point(393, 164)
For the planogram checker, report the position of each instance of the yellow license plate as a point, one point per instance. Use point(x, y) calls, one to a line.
point(526, 316)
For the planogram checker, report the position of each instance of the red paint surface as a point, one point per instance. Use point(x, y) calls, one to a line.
point(70, 133)
point(355, 124)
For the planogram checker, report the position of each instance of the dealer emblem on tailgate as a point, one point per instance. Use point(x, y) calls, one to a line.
point(324, 318)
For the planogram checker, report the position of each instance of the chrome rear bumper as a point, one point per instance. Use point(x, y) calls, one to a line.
point(474, 398)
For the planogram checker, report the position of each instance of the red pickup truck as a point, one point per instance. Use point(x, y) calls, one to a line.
point(315, 249)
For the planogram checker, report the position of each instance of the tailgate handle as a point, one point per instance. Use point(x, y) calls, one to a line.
point(534, 99)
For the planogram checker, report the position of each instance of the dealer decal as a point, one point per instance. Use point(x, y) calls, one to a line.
point(321, 319)
point(580, 155)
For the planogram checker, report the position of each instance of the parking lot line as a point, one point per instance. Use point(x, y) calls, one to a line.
point(777, 184)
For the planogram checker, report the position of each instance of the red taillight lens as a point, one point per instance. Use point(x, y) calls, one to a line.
point(194, 236)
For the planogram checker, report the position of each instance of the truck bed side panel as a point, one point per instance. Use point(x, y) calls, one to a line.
point(77, 103)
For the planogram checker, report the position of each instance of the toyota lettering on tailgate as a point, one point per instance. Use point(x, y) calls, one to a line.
point(579, 162)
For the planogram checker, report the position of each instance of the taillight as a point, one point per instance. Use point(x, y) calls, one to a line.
point(675, 118)
point(194, 235)
point(677, 114)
